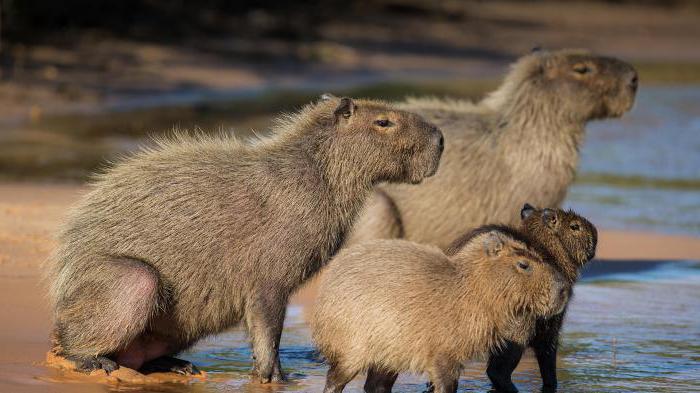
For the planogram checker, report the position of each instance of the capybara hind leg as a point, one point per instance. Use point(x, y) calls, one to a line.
point(379, 381)
point(501, 366)
point(337, 378)
point(143, 349)
point(169, 364)
point(104, 309)
point(264, 320)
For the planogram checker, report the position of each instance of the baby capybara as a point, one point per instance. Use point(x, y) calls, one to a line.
point(191, 237)
point(571, 240)
point(390, 306)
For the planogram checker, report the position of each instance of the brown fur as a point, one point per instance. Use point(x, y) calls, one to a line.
point(193, 236)
point(568, 237)
point(395, 305)
point(571, 240)
point(520, 144)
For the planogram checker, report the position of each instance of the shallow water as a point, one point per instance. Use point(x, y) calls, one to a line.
point(643, 171)
point(628, 332)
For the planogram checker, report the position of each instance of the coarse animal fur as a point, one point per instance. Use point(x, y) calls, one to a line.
point(191, 237)
point(520, 144)
point(389, 306)
point(571, 240)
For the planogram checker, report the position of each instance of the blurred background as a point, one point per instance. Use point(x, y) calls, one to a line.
point(84, 81)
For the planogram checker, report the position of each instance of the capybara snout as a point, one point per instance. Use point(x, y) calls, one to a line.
point(435, 147)
point(428, 148)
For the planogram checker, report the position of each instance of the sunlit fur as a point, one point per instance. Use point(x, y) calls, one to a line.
point(192, 236)
point(519, 144)
point(398, 306)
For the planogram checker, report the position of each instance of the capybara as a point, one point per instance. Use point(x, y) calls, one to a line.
point(389, 306)
point(571, 240)
point(199, 233)
point(520, 144)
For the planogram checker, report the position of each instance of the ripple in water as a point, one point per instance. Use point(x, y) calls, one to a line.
point(636, 332)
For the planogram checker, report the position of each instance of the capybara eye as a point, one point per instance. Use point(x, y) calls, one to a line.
point(574, 226)
point(582, 69)
point(523, 265)
point(383, 123)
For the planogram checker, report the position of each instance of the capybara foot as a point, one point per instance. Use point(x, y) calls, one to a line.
point(89, 364)
point(503, 387)
point(275, 376)
point(168, 364)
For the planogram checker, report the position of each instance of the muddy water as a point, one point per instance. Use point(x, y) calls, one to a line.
point(626, 332)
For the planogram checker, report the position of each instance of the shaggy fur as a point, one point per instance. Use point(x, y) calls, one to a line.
point(571, 240)
point(193, 236)
point(520, 144)
point(390, 306)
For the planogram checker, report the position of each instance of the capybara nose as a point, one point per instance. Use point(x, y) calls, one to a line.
point(438, 139)
point(633, 80)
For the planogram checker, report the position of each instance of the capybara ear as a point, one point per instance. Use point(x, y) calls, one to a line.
point(526, 211)
point(550, 218)
point(345, 109)
point(493, 244)
point(327, 97)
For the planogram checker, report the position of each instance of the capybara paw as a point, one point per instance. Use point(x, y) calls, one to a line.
point(549, 388)
point(87, 365)
point(278, 376)
point(167, 364)
point(504, 388)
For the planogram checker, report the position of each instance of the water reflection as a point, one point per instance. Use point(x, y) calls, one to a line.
point(626, 332)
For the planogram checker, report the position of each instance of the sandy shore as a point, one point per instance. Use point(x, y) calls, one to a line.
point(29, 216)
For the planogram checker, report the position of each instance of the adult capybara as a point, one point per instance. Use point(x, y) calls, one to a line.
point(571, 240)
point(520, 144)
point(389, 306)
point(193, 236)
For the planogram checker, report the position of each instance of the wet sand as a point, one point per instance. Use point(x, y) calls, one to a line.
point(30, 214)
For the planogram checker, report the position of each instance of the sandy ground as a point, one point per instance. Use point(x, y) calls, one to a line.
point(29, 216)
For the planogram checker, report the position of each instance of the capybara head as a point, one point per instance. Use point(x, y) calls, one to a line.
point(562, 233)
point(511, 274)
point(398, 146)
point(583, 85)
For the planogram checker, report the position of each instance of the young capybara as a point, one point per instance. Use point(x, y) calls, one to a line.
point(571, 240)
point(520, 144)
point(193, 236)
point(389, 306)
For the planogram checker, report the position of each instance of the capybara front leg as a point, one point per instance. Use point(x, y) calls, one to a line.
point(501, 366)
point(545, 345)
point(265, 320)
point(445, 376)
point(379, 381)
